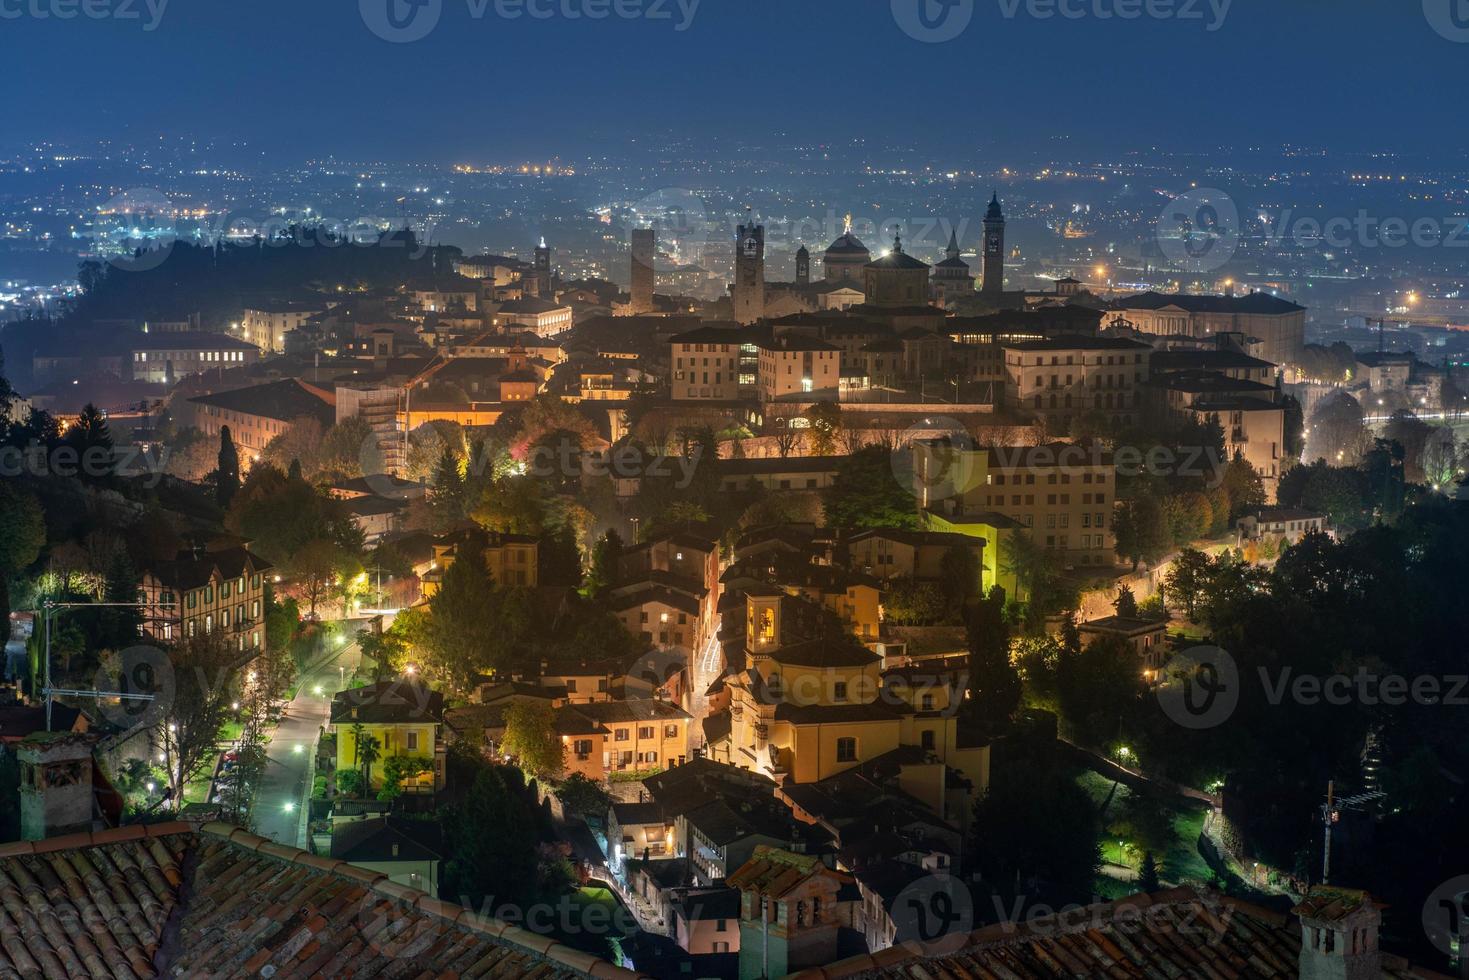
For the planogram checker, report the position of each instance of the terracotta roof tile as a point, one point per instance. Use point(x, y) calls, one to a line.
point(1174, 934)
point(173, 899)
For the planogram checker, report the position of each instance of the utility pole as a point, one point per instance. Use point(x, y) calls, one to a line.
point(1331, 813)
point(765, 935)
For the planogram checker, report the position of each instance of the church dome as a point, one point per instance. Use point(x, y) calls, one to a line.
point(848, 244)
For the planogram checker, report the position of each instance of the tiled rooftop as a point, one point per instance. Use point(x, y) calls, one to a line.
point(177, 900)
point(1178, 933)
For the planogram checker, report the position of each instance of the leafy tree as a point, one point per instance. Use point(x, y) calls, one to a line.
point(1232, 583)
point(349, 450)
point(448, 486)
point(349, 783)
point(397, 769)
point(1142, 530)
point(227, 469)
point(299, 446)
point(994, 685)
point(1338, 493)
point(960, 573)
point(387, 650)
point(1336, 431)
point(90, 432)
point(20, 544)
point(315, 565)
point(1036, 570)
point(1440, 458)
point(206, 669)
point(119, 625)
point(1126, 603)
point(531, 738)
point(583, 798)
point(1188, 579)
point(1295, 427)
point(515, 505)
point(501, 864)
point(1100, 689)
point(605, 558)
point(280, 515)
point(825, 420)
point(1037, 826)
point(907, 602)
point(1190, 516)
point(1147, 875)
point(1246, 490)
point(368, 750)
point(866, 494)
point(282, 619)
point(1154, 608)
point(463, 630)
point(547, 415)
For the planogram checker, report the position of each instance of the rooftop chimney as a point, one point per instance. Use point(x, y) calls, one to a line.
point(1339, 928)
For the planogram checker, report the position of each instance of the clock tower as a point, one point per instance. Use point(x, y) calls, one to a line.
point(749, 285)
point(994, 249)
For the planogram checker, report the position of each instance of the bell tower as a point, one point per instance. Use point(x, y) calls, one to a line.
point(543, 270)
point(994, 248)
point(748, 291)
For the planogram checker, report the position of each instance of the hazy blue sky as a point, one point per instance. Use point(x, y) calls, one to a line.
point(311, 78)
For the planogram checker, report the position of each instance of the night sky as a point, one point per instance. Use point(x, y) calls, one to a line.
point(307, 78)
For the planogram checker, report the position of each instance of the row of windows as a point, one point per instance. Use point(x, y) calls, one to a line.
point(1051, 479)
point(1098, 401)
point(191, 355)
point(238, 586)
point(1087, 541)
point(1064, 520)
point(1028, 499)
point(644, 731)
point(583, 749)
point(678, 362)
point(224, 618)
point(1072, 359)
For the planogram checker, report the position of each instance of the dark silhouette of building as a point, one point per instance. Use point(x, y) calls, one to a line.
point(749, 284)
point(644, 254)
point(994, 248)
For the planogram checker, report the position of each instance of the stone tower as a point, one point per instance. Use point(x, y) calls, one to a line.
point(644, 254)
point(749, 285)
point(543, 270)
point(994, 248)
point(1339, 929)
point(803, 266)
point(55, 784)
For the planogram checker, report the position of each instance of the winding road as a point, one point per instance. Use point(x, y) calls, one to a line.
point(281, 800)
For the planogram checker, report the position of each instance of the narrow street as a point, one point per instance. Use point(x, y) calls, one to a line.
point(281, 799)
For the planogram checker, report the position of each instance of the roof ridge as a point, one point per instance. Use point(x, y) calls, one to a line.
point(423, 902)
